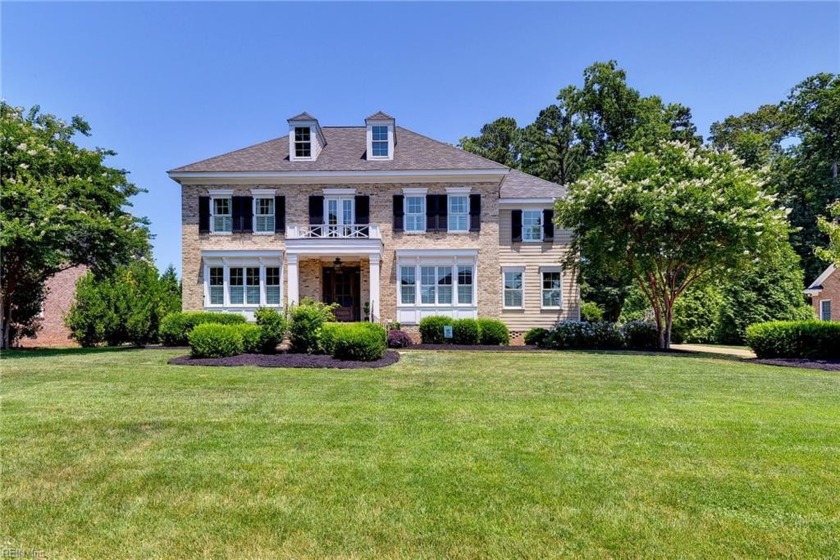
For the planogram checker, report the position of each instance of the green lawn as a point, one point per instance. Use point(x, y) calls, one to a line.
point(461, 455)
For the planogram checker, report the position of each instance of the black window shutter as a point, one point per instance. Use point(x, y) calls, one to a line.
point(399, 213)
point(442, 212)
point(516, 225)
point(475, 212)
point(279, 214)
point(431, 212)
point(548, 225)
point(247, 211)
point(362, 210)
point(316, 210)
point(203, 214)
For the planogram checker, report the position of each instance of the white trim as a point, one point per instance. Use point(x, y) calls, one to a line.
point(340, 192)
point(415, 191)
point(369, 137)
point(220, 193)
point(822, 278)
point(458, 190)
point(450, 214)
point(434, 253)
point(520, 270)
point(542, 225)
point(334, 247)
point(234, 254)
point(828, 301)
point(550, 269)
point(406, 213)
point(263, 192)
point(325, 174)
point(254, 214)
point(519, 202)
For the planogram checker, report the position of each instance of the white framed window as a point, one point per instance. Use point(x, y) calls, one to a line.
point(339, 212)
point(459, 213)
point(264, 214)
point(825, 309)
point(236, 280)
point(379, 141)
point(532, 227)
point(221, 217)
point(272, 285)
point(552, 288)
point(244, 286)
point(439, 285)
point(465, 285)
point(415, 213)
point(408, 285)
point(217, 285)
point(513, 288)
point(303, 142)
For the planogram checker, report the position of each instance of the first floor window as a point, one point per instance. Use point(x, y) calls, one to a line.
point(264, 214)
point(459, 213)
point(825, 310)
point(513, 288)
point(551, 288)
point(443, 285)
point(222, 219)
point(272, 285)
point(415, 213)
point(217, 285)
point(532, 225)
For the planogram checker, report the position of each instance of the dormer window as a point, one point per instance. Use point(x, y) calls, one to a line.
point(303, 142)
point(379, 147)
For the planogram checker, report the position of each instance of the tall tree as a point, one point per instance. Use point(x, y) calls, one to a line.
point(61, 207)
point(671, 217)
point(498, 140)
point(550, 149)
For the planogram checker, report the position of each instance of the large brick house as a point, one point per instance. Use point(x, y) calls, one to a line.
point(61, 293)
point(825, 294)
point(390, 224)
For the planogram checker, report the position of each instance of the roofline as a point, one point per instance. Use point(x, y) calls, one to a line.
point(822, 277)
point(812, 291)
point(515, 201)
point(176, 175)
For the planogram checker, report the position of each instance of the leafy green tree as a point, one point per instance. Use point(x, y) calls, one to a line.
point(498, 140)
point(549, 145)
point(61, 207)
point(696, 314)
point(126, 306)
point(671, 217)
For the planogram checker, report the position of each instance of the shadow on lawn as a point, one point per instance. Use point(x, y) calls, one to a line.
point(20, 353)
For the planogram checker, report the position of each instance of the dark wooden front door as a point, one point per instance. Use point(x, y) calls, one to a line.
point(342, 286)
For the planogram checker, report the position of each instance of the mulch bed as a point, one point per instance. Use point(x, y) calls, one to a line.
point(287, 360)
point(470, 347)
point(825, 365)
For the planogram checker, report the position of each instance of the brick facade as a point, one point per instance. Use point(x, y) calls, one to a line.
point(61, 292)
point(830, 291)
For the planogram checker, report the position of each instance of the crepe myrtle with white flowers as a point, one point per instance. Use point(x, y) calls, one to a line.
point(671, 216)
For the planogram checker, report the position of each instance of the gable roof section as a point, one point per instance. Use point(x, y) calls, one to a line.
point(380, 116)
point(817, 285)
point(345, 150)
point(302, 117)
point(517, 184)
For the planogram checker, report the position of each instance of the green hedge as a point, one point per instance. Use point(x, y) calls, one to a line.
point(431, 329)
point(213, 340)
point(273, 326)
point(465, 331)
point(175, 327)
point(306, 321)
point(819, 340)
point(536, 336)
point(251, 337)
point(355, 341)
point(583, 335)
point(493, 332)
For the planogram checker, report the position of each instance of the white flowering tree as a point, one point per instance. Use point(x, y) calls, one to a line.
point(671, 217)
point(61, 207)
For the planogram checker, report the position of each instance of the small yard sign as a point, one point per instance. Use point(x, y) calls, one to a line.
point(447, 331)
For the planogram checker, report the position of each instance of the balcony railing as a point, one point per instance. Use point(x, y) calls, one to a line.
point(347, 231)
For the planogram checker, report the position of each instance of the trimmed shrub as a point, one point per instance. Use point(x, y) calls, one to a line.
point(306, 322)
point(399, 339)
point(359, 341)
point(175, 327)
point(492, 332)
point(815, 340)
point(536, 336)
point(327, 338)
point(212, 340)
point(273, 326)
point(431, 329)
point(583, 335)
point(251, 335)
point(591, 312)
point(465, 331)
point(640, 335)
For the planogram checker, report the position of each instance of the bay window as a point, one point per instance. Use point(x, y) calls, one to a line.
point(440, 285)
point(242, 281)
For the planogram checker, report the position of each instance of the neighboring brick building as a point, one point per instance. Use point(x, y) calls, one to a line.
point(61, 291)
point(373, 216)
point(825, 294)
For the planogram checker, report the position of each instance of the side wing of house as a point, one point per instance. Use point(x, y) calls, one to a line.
point(825, 294)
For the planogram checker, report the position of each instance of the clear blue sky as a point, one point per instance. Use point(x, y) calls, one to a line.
point(168, 84)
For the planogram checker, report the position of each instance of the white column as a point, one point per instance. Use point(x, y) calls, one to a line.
point(293, 296)
point(374, 288)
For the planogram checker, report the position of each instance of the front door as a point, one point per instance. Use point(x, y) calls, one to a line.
point(342, 285)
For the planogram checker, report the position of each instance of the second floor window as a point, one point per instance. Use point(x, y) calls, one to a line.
point(415, 213)
point(264, 214)
point(222, 218)
point(459, 213)
point(532, 225)
point(303, 142)
point(379, 141)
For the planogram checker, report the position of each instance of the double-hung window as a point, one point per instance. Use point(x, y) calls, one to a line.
point(428, 285)
point(459, 213)
point(379, 141)
point(465, 284)
point(532, 229)
point(264, 214)
point(415, 213)
point(552, 292)
point(825, 310)
point(222, 218)
point(303, 142)
point(217, 285)
point(245, 286)
point(408, 285)
point(272, 285)
point(241, 281)
point(512, 288)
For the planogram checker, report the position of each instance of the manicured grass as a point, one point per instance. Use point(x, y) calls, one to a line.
point(461, 455)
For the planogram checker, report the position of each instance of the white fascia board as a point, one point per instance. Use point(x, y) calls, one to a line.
point(432, 253)
point(304, 177)
point(331, 247)
point(235, 253)
point(518, 202)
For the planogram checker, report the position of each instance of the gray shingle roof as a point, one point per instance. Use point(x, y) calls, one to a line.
point(517, 184)
point(302, 117)
point(346, 151)
point(380, 116)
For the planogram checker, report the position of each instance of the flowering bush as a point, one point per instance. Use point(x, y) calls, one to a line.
point(583, 335)
point(640, 335)
point(399, 339)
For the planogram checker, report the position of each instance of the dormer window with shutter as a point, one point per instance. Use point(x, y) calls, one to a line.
point(381, 136)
